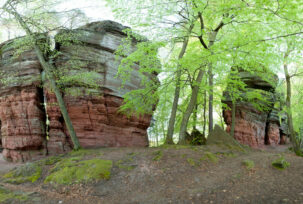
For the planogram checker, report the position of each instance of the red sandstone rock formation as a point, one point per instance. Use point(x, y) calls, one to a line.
point(250, 125)
point(254, 127)
point(21, 113)
point(93, 110)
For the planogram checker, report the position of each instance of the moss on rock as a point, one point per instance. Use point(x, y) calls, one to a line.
point(72, 170)
point(29, 172)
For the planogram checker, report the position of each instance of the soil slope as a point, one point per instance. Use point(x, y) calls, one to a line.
point(172, 174)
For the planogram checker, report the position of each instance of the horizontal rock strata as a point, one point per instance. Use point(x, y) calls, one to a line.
point(31, 121)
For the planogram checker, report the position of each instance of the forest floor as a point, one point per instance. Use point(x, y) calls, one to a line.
point(168, 174)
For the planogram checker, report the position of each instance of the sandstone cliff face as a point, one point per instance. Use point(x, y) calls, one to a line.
point(255, 127)
point(93, 109)
point(21, 113)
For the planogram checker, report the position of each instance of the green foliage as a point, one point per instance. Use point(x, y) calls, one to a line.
point(249, 164)
point(71, 170)
point(29, 172)
point(144, 60)
point(280, 163)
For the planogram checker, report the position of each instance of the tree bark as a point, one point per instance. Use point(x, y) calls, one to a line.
point(190, 107)
point(171, 123)
point(48, 68)
point(204, 113)
point(288, 105)
point(233, 118)
point(210, 99)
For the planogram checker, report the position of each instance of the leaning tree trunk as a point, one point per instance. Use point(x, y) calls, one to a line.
point(48, 70)
point(190, 107)
point(172, 119)
point(288, 105)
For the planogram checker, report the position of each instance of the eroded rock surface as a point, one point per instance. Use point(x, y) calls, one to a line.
point(93, 107)
point(257, 122)
point(21, 111)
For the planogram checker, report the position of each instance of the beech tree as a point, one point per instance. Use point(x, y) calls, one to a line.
point(226, 32)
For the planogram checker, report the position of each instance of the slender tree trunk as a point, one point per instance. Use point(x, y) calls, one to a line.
point(172, 119)
point(195, 116)
point(212, 38)
point(204, 113)
point(210, 99)
point(288, 105)
point(233, 118)
point(48, 68)
point(190, 107)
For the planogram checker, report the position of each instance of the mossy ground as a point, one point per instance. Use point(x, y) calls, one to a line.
point(73, 170)
point(30, 172)
point(249, 164)
point(207, 173)
point(7, 196)
point(280, 163)
point(210, 156)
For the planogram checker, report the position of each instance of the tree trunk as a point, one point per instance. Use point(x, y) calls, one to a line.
point(190, 107)
point(210, 99)
point(204, 113)
point(48, 68)
point(288, 105)
point(233, 118)
point(212, 38)
point(195, 116)
point(171, 123)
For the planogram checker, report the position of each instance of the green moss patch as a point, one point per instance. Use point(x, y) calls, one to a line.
point(7, 196)
point(280, 163)
point(249, 164)
point(51, 160)
point(29, 172)
point(84, 152)
point(157, 155)
point(226, 154)
point(72, 170)
point(191, 162)
point(210, 156)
